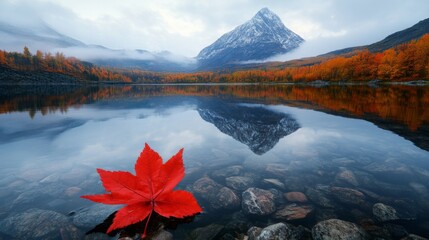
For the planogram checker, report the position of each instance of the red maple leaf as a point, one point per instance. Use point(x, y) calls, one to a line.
point(151, 189)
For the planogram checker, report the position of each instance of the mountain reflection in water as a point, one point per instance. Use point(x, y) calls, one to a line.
point(398, 108)
point(259, 128)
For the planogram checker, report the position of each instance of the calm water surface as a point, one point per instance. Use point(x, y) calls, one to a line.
point(345, 148)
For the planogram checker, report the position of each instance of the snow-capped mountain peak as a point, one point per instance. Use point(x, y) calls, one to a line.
point(261, 37)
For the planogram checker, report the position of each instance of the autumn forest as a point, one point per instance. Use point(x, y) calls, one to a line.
point(405, 62)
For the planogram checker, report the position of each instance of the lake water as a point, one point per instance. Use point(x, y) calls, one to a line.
point(345, 148)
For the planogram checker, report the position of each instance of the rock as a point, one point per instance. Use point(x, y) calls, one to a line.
point(163, 235)
point(209, 232)
point(238, 222)
point(72, 191)
point(413, 237)
point(225, 199)
point(277, 169)
point(93, 215)
point(347, 176)
point(39, 224)
point(348, 195)
point(239, 183)
point(258, 202)
point(391, 170)
point(274, 182)
point(296, 197)
point(293, 212)
point(254, 232)
point(280, 231)
point(323, 214)
point(396, 231)
point(294, 184)
point(206, 188)
point(227, 172)
point(335, 229)
point(384, 212)
point(319, 198)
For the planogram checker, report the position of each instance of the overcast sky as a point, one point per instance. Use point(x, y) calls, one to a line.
point(186, 26)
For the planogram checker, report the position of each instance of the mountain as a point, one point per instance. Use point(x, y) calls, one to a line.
point(404, 36)
point(38, 36)
point(258, 128)
point(259, 38)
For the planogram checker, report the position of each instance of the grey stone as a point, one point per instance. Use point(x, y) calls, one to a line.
point(384, 212)
point(39, 224)
point(258, 202)
point(253, 232)
point(239, 183)
point(335, 229)
point(280, 231)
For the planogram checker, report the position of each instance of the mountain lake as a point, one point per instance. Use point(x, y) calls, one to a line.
point(255, 156)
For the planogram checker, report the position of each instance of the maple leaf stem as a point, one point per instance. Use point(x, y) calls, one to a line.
point(147, 222)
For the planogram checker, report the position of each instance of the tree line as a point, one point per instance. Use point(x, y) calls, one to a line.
point(405, 62)
point(58, 63)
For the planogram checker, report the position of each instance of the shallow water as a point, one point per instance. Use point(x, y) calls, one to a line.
point(323, 142)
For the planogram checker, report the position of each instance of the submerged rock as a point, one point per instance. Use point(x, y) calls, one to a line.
point(239, 183)
point(39, 224)
point(253, 233)
point(274, 182)
point(293, 212)
point(277, 169)
point(348, 195)
point(319, 198)
point(227, 172)
point(279, 231)
point(335, 229)
point(225, 199)
point(347, 176)
point(209, 232)
point(384, 212)
point(296, 197)
point(258, 202)
point(217, 195)
point(413, 237)
point(206, 188)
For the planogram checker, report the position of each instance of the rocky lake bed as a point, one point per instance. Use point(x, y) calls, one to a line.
point(254, 201)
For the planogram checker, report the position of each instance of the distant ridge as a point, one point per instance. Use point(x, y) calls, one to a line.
point(404, 36)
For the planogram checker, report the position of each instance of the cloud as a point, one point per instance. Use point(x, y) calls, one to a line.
point(185, 27)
